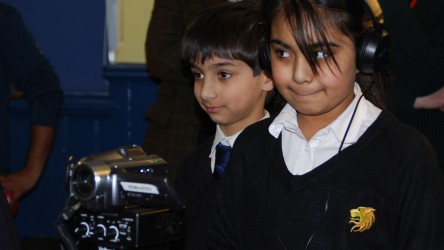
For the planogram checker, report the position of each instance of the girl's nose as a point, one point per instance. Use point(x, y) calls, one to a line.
point(302, 72)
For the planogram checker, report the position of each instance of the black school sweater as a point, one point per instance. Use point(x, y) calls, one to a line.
point(391, 169)
point(196, 187)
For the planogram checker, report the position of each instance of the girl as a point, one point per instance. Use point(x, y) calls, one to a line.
point(332, 170)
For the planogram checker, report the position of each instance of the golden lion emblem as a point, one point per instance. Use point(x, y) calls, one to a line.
point(363, 218)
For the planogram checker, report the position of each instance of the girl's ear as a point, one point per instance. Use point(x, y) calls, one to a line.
point(267, 82)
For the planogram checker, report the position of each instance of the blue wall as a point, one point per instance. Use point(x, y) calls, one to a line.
point(88, 124)
point(71, 33)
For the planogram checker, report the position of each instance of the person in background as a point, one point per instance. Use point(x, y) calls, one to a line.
point(333, 170)
point(416, 86)
point(25, 69)
point(221, 46)
point(176, 124)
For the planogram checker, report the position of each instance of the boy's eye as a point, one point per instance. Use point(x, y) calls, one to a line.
point(320, 54)
point(224, 75)
point(197, 75)
point(282, 53)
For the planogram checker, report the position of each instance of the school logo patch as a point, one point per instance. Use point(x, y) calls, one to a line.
point(362, 218)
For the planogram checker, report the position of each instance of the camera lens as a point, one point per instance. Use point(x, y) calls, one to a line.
point(83, 181)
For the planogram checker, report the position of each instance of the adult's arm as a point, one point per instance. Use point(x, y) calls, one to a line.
point(31, 74)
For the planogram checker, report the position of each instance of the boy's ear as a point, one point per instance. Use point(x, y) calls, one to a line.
point(267, 82)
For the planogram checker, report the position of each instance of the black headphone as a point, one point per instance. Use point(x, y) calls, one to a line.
point(373, 49)
point(371, 55)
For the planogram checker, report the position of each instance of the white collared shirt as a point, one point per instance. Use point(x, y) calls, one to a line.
point(302, 156)
point(226, 140)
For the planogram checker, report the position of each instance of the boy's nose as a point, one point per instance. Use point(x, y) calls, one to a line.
point(208, 90)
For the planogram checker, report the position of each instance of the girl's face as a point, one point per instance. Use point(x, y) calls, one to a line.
point(324, 95)
point(229, 93)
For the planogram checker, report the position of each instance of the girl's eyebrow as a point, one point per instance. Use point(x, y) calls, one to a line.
point(314, 46)
point(280, 43)
point(324, 45)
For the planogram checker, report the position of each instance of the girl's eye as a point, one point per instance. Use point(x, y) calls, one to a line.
point(282, 53)
point(320, 54)
point(224, 75)
point(197, 75)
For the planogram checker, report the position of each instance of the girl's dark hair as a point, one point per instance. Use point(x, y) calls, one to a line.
point(311, 20)
point(227, 30)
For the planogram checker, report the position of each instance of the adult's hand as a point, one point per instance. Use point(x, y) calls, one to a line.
point(26, 178)
point(432, 101)
point(20, 182)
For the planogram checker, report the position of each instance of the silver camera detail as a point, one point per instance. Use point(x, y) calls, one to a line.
point(121, 178)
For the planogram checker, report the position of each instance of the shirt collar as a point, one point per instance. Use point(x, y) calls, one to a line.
point(228, 140)
point(286, 120)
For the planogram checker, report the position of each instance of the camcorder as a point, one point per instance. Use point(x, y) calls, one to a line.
point(120, 199)
point(120, 178)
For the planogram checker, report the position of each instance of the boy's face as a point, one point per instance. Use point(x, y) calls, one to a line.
point(229, 93)
point(322, 96)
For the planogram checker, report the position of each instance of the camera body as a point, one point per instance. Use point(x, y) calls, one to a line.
point(121, 178)
point(120, 199)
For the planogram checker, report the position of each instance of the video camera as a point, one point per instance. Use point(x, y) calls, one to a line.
point(120, 199)
point(113, 180)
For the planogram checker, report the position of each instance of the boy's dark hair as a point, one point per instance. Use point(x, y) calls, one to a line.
point(227, 30)
point(349, 16)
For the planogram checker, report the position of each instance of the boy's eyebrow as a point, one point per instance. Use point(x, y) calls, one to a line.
point(314, 46)
point(216, 65)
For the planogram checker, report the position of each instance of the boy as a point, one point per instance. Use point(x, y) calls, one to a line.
point(221, 46)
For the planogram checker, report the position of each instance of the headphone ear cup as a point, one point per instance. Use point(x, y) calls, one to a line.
point(264, 57)
point(373, 51)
